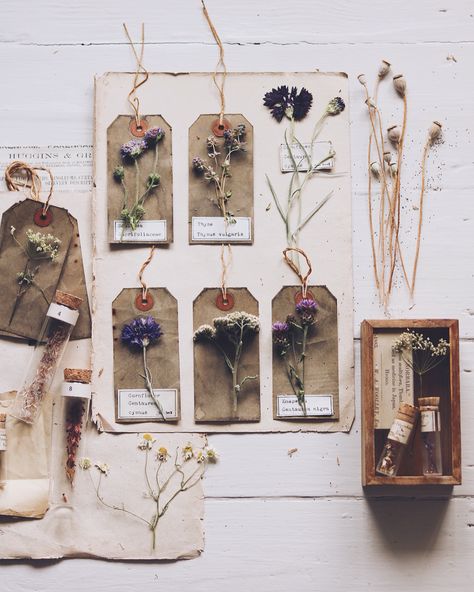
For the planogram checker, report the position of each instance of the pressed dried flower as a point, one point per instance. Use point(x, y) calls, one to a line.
point(335, 106)
point(102, 467)
point(307, 308)
point(146, 443)
point(162, 454)
point(204, 332)
point(394, 133)
point(141, 332)
point(284, 102)
point(153, 136)
point(153, 180)
point(119, 173)
point(384, 69)
point(132, 150)
point(211, 454)
point(434, 133)
point(188, 452)
point(400, 84)
point(200, 456)
point(85, 463)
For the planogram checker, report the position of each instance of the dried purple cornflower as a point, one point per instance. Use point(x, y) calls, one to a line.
point(132, 149)
point(306, 309)
point(141, 332)
point(335, 106)
point(292, 104)
point(153, 136)
point(280, 334)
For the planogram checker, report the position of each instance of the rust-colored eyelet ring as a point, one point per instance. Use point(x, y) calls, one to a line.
point(218, 129)
point(144, 304)
point(226, 303)
point(138, 130)
point(42, 218)
point(299, 296)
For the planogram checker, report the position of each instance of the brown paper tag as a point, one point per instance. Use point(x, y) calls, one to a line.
point(132, 400)
point(23, 316)
point(213, 400)
point(206, 222)
point(321, 378)
point(156, 226)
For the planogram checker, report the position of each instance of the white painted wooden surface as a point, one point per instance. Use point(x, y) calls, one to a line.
point(274, 522)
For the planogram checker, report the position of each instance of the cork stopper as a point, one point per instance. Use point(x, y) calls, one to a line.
point(77, 375)
point(72, 302)
point(3, 418)
point(408, 413)
point(428, 402)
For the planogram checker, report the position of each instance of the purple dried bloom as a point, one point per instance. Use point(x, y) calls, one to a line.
point(292, 104)
point(198, 164)
point(153, 136)
point(335, 106)
point(141, 332)
point(307, 308)
point(281, 337)
point(279, 328)
point(132, 150)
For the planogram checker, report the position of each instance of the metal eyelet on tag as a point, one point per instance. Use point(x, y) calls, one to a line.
point(299, 296)
point(218, 129)
point(138, 130)
point(226, 303)
point(42, 218)
point(144, 304)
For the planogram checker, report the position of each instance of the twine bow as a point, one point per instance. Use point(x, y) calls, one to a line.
point(303, 278)
point(226, 263)
point(132, 98)
point(32, 180)
point(140, 274)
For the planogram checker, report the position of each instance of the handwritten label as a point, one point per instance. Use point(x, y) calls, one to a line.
point(70, 165)
point(3, 439)
point(393, 380)
point(316, 406)
point(208, 229)
point(400, 431)
point(138, 404)
point(76, 389)
point(62, 313)
point(147, 231)
point(430, 421)
point(301, 153)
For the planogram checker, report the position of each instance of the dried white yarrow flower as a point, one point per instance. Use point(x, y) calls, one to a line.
point(400, 84)
point(434, 133)
point(384, 69)
point(394, 134)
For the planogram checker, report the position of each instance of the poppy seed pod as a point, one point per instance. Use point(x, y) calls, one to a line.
point(384, 69)
point(361, 79)
point(393, 169)
point(387, 156)
point(370, 103)
point(375, 169)
point(394, 134)
point(400, 84)
point(435, 131)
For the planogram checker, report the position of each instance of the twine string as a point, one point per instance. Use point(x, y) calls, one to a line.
point(140, 70)
point(32, 180)
point(303, 278)
point(226, 262)
point(140, 274)
point(220, 65)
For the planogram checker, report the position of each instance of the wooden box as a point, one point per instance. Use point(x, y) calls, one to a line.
point(442, 381)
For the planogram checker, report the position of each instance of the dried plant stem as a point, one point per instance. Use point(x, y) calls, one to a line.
point(420, 217)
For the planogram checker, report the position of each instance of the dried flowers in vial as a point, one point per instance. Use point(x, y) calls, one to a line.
point(3, 449)
point(76, 399)
point(431, 435)
point(60, 320)
point(397, 440)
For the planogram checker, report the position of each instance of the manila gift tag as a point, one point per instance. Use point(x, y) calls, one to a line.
point(146, 356)
point(226, 356)
point(305, 354)
point(221, 180)
point(139, 181)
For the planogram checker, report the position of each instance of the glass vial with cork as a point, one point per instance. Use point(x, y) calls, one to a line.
point(76, 396)
point(431, 435)
point(58, 325)
point(397, 440)
point(3, 450)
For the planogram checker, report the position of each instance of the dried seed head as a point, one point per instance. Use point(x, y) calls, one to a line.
point(400, 84)
point(370, 103)
point(393, 169)
point(375, 169)
point(435, 131)
point(361, 79)
point(384, 69)
point(387, 156)
point(394, 134)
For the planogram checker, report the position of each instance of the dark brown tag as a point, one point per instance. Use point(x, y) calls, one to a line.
point(156, 331)
point(220, 207)
point(215, 398)
point(320, 381)
point(139, 212)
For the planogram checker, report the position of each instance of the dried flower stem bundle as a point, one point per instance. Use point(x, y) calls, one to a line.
point(75, 410)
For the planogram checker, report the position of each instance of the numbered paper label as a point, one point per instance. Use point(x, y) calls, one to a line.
point(316, 406)
point(430, 421)
point(321, 159)
point(147, 231)
point(76, 389)
point(208, 229)
point(62, 313)
point(138, 404)
point(3, 439)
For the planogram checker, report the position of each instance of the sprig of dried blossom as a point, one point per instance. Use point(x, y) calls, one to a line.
point(385, 168)
point(133, 212)
point(162, 486)
point(75, 409)
point(139, 335)
point(228, 335)
point(290, 339)
point(217, 170)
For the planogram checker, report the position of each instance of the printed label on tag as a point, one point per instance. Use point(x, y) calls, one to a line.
point(430, 421)
point(76, 389)
point(321, 151)
point(3, 439)
point(400, 431)
point(316, 406)
point(147, 230)
point(138, 404)
point(62, 313)
point(217, 229)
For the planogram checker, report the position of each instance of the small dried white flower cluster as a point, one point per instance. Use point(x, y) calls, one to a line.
point(233, 325)
point(42, 245)
point(413, 341)
point(86, 463)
